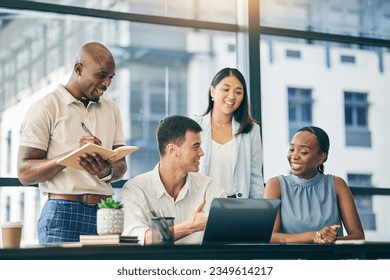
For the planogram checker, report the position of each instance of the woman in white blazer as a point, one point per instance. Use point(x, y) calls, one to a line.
point(231, 142)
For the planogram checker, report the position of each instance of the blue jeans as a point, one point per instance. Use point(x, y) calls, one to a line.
point(64, 221)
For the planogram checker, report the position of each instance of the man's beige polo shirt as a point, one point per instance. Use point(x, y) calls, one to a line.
point(53, 124)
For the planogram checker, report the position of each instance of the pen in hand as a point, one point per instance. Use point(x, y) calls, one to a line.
point(86, 129)
point(96, 141)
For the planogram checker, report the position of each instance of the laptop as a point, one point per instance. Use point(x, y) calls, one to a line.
point(240, 221)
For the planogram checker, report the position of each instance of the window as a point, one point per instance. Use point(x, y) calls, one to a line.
point(231, 48)
point(293, 54)
point(158, 92)
point(363, 202)
point(299, 109)
point(356, 119)
point(347, 59)
point(151, 82)
point(357, 18)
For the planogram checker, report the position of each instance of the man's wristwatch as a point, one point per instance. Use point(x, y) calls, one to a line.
point(107, 177)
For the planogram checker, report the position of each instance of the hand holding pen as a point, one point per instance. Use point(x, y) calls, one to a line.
point(92, 163)
point(90, 139)
point(86, 129)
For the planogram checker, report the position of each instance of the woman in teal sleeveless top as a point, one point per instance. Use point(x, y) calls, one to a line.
point(314, 206)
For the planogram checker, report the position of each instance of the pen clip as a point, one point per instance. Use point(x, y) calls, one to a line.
point(86, 129)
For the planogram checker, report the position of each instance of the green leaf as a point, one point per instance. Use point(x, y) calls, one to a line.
point(110, 204)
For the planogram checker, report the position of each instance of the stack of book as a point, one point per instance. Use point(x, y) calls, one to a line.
point(108, 239)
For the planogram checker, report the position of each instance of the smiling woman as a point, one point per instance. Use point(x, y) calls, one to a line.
point(314, 206)
point(231, 138)
point(308, 150)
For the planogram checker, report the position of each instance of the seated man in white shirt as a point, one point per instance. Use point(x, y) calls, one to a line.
point(174, 186)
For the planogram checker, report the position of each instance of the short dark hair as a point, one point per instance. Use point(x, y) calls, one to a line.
point(321, 135)
point(173, 129)
point(243, 113)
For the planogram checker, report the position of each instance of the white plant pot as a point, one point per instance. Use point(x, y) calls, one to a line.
point(109, 221)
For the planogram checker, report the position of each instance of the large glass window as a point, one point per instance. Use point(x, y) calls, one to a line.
point(336, 50)
point(164, 67)
point(152, 80)
point(217, 10)
point(351, 17)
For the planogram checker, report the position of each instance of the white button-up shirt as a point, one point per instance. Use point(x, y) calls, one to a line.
point(146, 192)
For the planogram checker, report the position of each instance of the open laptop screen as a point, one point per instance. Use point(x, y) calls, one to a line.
point(238, 221)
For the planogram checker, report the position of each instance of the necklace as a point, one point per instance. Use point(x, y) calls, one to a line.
point(223, 125)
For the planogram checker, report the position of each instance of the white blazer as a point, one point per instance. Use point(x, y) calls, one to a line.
point(247, 158)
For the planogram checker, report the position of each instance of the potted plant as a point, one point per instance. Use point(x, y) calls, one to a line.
point(109, 219)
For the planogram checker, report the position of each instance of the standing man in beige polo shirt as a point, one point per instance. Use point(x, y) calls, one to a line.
point(52, 128)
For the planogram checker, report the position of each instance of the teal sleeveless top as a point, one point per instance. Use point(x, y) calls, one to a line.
point(308, 204)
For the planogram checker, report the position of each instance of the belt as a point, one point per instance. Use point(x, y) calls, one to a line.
point(88, 199)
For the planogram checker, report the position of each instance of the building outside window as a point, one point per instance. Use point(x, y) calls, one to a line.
point(356, 119)
point(299, 109)
point(363, 202)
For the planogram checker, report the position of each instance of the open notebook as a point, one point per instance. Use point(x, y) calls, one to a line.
point(239, 221)
point(70, 160)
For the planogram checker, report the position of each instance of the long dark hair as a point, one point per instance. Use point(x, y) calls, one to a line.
point(242, 114)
